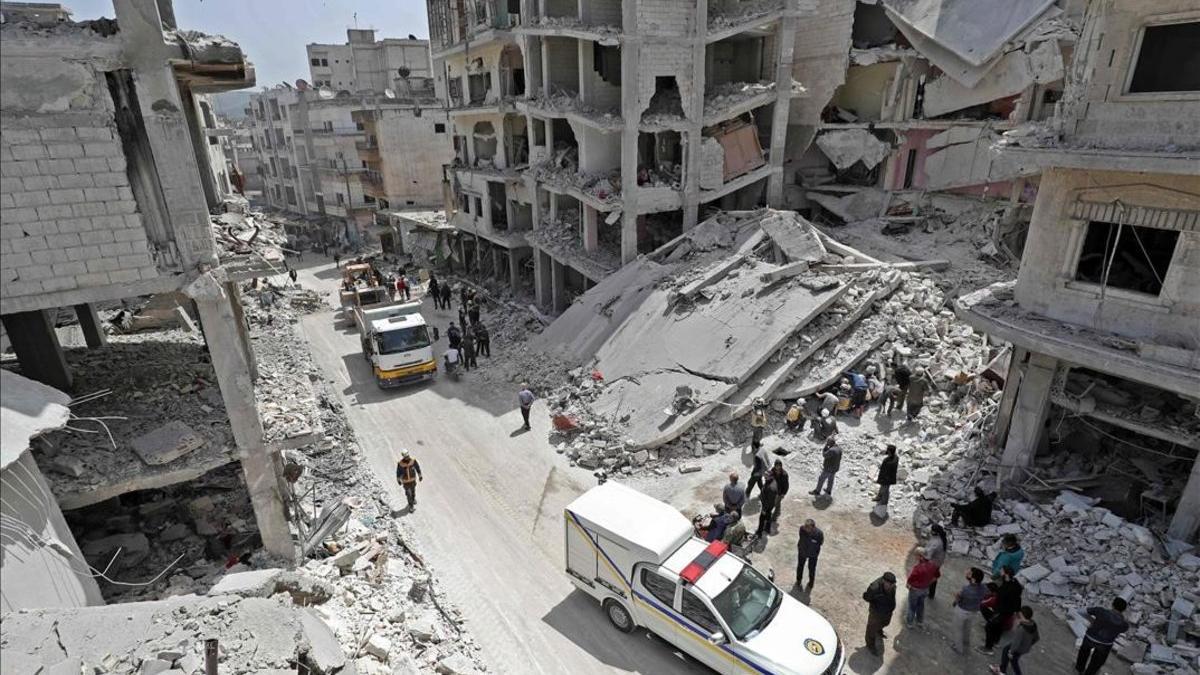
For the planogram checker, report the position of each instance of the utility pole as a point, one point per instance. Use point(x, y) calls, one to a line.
point(349, 199)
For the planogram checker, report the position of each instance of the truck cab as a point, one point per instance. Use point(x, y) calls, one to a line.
point(639, 558)
point(397, 343)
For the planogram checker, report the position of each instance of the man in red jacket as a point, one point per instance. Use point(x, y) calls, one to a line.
point(920, 579)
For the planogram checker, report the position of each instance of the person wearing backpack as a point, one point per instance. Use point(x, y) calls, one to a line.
point(1024, 637)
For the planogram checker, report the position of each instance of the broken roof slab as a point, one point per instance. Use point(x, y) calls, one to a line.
point(27, 409)
point(964, 37)
point(256, 635)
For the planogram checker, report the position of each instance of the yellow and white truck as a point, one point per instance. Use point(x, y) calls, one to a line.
point(642, 561)
point(396, 342)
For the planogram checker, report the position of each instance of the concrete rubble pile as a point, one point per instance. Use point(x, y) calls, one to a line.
point(565, 102)
point(382, 602)
point(562, 171)
point(727, 95)
point(561, 238)
point(729, 13)
point(849, 313)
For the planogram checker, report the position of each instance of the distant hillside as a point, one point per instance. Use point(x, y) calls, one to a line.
point(233, 103)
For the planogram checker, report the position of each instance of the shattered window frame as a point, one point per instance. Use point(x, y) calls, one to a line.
point(1136, 55)
point(1131, 237)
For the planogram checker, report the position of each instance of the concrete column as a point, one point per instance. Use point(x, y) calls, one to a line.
point(1029, 415)
point(36, 344)
point(514, 270)
point(631, 111)
point(587, 59)
point(239, 313)
point(786, 36)
point(1008, 400)
point(543, 282)
point(694, 109)
point(553, 206)
point(558, 286)
point(591, 229)
point(89, 322)
point(1186, 521)
point(260, 466)
point(497, 262)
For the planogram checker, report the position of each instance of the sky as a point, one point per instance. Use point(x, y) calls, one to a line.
point(273, 33)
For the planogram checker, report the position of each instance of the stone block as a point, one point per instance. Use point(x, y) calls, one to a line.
point(1034, 574)
point(456, 664)
point(379, 647)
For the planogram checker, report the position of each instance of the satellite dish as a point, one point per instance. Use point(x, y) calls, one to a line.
point(325, 92)
point(389, 93)
point(302, 85)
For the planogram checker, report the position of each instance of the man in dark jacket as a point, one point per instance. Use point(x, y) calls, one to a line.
point(881, 603)
point(767, 500)
point(483, 340)
point(1106, 625)
point(832, 461)
point(902, 377)
point(1025, 636)
point(454, 336)
point(446, 294)
point(997, 616)
point(434, 289)
point(887, 475)
point(808, 549)
point(917, 388)
point(468, 349)
point(781, 486)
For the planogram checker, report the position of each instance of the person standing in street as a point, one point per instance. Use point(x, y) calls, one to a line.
point(1105, 626)
point(768, 500)
point(525, 399)
point(888, 469)
point(825, 426)
point(762, 464)
point(446, 294)
point(758, 422)
point(831, 462)
point(935, 549)
point(473, 312)
point(966, 606)
point(903, 378)
point(734, 495)
point(337, 260)
point(468, 349)
point(1025, 636)
point(923, 574)
point(408, 472)
point(782, 483)
point(881, 604)
point(917, 389)
point(998, 616)
point(454, 336)
point(808, 549)
point(483, 340)
point(434, 288)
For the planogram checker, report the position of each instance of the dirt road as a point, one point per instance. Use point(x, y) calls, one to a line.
point(488, 512)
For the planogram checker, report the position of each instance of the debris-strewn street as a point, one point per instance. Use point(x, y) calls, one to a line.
point(792, 337)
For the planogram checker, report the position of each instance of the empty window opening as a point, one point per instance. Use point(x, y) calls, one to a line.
point(656, 229)
point(480, 85)
point(910, 165)
point(512, 72)
point(485, 144)
point(478, 206)
point(606, 61)
point(539, 132)
point(1129, 257)
point(666, 100)
point(1169, 59)
point(736, 59)
point(562, 9)
point(439, 128)
point(517, 139)
point(872, 27)
point(497, 198)
point(562, 66)
point(522, 216)
point(660, 159)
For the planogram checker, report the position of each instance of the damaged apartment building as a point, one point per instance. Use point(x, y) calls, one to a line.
point(589, 132)
point(321, 146)
point(1104, 315)
point(923, 91)
point(108, 178)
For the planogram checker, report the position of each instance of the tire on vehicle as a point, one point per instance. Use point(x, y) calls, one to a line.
point(618, 616)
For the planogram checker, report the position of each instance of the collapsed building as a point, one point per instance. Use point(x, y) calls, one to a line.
point(1103, 314)
point(102, 205)
point(587, 133)
point(321, 146)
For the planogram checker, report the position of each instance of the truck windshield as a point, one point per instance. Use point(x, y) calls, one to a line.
point(749, 602)
point(402, 340)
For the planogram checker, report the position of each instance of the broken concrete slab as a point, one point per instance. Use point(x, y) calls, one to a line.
point(817, 374)
point(794, 236)
point(27, 409)
point(846, 147)
point(854, 207)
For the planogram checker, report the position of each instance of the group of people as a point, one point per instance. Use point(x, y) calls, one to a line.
point(906, 392)
point(469, 338)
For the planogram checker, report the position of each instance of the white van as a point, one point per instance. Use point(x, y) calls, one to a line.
point(640, 559)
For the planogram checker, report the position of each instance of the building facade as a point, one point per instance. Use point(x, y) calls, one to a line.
point(1104, 315)
point(364, 64)
point(586, 133)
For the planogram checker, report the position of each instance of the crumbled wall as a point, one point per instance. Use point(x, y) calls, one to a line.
point(658, 59)
point(1051, 252)
point(1097, 111)
point(70, 219)
point(821, 57)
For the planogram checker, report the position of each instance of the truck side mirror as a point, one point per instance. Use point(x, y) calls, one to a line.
point(717, 638)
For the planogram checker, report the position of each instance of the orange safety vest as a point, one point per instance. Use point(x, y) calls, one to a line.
point(407, 473)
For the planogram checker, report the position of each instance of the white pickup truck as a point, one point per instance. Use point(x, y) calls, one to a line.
point(396, 342)
point(640, 559)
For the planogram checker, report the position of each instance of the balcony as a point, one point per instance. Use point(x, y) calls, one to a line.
point(338, 131)
point(368, 149)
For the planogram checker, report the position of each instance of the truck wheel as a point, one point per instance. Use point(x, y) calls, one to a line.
point(618, 616)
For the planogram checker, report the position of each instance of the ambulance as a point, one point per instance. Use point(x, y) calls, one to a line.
point(639, 558)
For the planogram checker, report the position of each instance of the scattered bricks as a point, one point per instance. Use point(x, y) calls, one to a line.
point(1189, 562)
point(167, 443)
point(456, 664)
point(379, 647)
